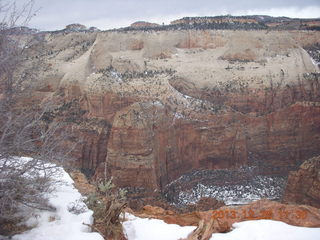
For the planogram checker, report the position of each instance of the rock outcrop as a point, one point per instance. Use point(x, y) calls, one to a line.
point(221, 220)
point(143, 24)
point(303, 185)
point(248, 22)
point(158, 104)
point(75, 27)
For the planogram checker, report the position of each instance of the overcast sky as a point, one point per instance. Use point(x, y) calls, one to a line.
point(106, 14)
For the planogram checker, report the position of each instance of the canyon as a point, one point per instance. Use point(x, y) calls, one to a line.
point(152, 105)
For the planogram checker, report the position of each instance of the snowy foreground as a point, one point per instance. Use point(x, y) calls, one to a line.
point(268, 230)
point(69, 221)
point(146, 229)
point(64, 223)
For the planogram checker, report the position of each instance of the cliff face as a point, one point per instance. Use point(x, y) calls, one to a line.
point(304, 184)
point(159, 104)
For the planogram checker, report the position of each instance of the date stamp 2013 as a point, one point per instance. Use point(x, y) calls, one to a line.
point(261, 214)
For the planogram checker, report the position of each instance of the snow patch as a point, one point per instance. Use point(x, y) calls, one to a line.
point(145, 229)
point(157, 103)
point(116, 76)
point(259, 187)
point(266, 230)
point(62, 224)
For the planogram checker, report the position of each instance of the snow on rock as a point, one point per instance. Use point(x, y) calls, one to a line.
point(267, 230)
point(66, 223)
point(258, 187)
point(145, 229)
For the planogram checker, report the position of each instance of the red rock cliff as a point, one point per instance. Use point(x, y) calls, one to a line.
point(160, 104)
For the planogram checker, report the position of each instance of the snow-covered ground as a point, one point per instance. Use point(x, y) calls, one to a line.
point(267, 230)
point(146, 229)
point(67, 222)
point(259, 187)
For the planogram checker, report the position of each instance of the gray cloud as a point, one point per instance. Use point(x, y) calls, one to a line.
point(115, 13)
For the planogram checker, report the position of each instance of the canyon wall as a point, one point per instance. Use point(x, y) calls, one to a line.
point(156, 105)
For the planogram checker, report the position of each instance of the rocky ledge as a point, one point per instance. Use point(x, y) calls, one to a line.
point(221, 219)
point(303, 185)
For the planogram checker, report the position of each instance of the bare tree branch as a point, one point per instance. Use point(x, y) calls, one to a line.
point(24, 130)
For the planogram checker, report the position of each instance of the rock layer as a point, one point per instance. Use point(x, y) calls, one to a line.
point(159, 104)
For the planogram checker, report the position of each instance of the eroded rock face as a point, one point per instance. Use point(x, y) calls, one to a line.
point(156, 153)
point(159, 104)
point(303, 185)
